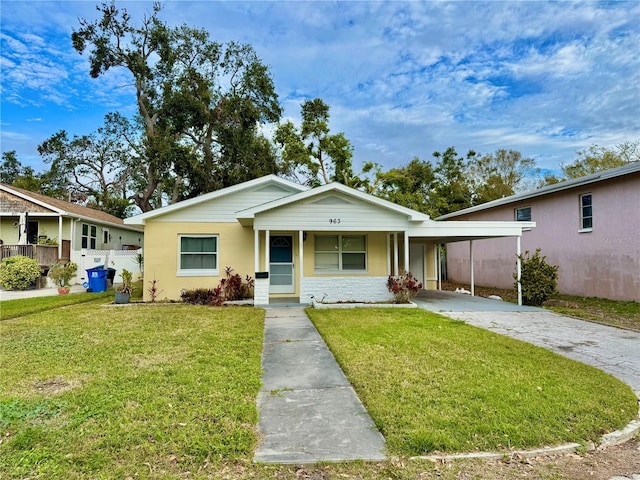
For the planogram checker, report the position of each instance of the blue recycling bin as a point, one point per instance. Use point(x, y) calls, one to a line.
point(97, 279)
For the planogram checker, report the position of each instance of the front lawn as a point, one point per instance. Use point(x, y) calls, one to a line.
point(141, 391)
point(435, 384)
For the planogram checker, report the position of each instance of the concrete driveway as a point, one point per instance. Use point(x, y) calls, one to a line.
point(613, 350)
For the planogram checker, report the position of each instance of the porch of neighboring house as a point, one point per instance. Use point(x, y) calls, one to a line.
point(46, 255)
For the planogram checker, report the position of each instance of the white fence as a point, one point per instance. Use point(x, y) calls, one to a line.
point(118, 259)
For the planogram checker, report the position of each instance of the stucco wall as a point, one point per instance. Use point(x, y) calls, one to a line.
point(235, 249)
point(602, 263)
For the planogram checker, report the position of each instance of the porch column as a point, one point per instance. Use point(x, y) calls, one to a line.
point(60, 237)
point(395, 253)
point(519, 270)
point(256, 250)
point(267, 243)
point(406, 250)
point(471, 266)
point(301, 249)
point(439, 255)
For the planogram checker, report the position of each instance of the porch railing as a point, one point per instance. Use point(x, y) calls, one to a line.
point(46, 255)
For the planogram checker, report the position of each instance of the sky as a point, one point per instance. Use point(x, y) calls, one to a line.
point(402, 79)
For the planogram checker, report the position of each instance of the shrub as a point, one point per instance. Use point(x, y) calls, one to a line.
point(61, 273)
point(404, 287)
point(202, 296)
point(539, 279)
point(17, 273)
point(230, 288)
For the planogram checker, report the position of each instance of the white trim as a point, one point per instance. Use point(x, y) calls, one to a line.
point(250, 213)
point(340, 270)
point(198, 272)
point(256, 250)
point(301, 253)
point(143, 217)
point(471, 272)
point(585, 230)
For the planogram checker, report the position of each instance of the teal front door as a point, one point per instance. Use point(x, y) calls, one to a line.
point(281, 264)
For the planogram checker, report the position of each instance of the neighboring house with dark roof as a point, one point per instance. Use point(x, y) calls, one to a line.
point(589, 227)
point(49, 230)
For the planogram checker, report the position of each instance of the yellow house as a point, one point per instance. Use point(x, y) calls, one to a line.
point(330, 243)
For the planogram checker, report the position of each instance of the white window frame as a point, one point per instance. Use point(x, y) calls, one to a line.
point(584, 229)
point(340, 253)
point(89, 238)
point(199, 272)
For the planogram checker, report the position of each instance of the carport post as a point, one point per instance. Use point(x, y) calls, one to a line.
point(519, 270)
point(471, 266)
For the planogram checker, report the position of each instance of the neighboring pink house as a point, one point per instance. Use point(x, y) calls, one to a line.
point(589, 227)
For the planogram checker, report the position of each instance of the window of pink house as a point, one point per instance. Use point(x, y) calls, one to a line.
point(586, 213)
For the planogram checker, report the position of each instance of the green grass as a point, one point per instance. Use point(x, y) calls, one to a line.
point(141, 391)
point(17, 308)
point(435, 384)
point(611, 312)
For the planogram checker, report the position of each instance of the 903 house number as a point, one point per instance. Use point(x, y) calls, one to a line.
point(334, 221)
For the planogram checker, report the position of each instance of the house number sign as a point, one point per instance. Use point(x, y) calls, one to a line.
point(334, 221)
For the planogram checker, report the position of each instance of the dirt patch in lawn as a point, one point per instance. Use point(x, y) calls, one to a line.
point(55, 385)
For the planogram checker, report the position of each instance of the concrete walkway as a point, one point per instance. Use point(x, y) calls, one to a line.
point(308, 410)
point(613, 350)
point(38, 292)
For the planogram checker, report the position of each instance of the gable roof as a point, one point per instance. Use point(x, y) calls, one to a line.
point(273, 179)
point(413, 215)
point(627, 169)
point(63, 208)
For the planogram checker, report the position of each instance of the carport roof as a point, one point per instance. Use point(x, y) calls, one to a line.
point(452, 231)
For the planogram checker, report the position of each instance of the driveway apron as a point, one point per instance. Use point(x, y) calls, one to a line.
point(308, 410)
point(613, 350)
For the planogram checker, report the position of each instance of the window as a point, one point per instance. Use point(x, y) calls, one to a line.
point(340, 252)
point(89, 233)
point(105, 236)
point(586, 213)
point(198, 255)
point(523, 214)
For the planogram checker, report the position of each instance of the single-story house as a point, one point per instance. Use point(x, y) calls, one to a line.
point(589, 227)
point(331, 242)
point(49, 230)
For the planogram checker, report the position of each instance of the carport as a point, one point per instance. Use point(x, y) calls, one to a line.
point(440, 233)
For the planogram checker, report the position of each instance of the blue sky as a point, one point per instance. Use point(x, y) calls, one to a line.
point(403, 79)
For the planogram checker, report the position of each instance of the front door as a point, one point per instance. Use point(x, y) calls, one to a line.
point(281, 264)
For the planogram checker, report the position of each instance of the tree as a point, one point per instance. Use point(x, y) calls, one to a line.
point(12, 172)
point(410, 186)
point(190, 93)
point(96, 167)
point(452, 190)
point(595, 159)
point(500, 174)
point(312, 152)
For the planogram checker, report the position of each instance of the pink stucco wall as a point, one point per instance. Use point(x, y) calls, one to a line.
point(602, 263)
